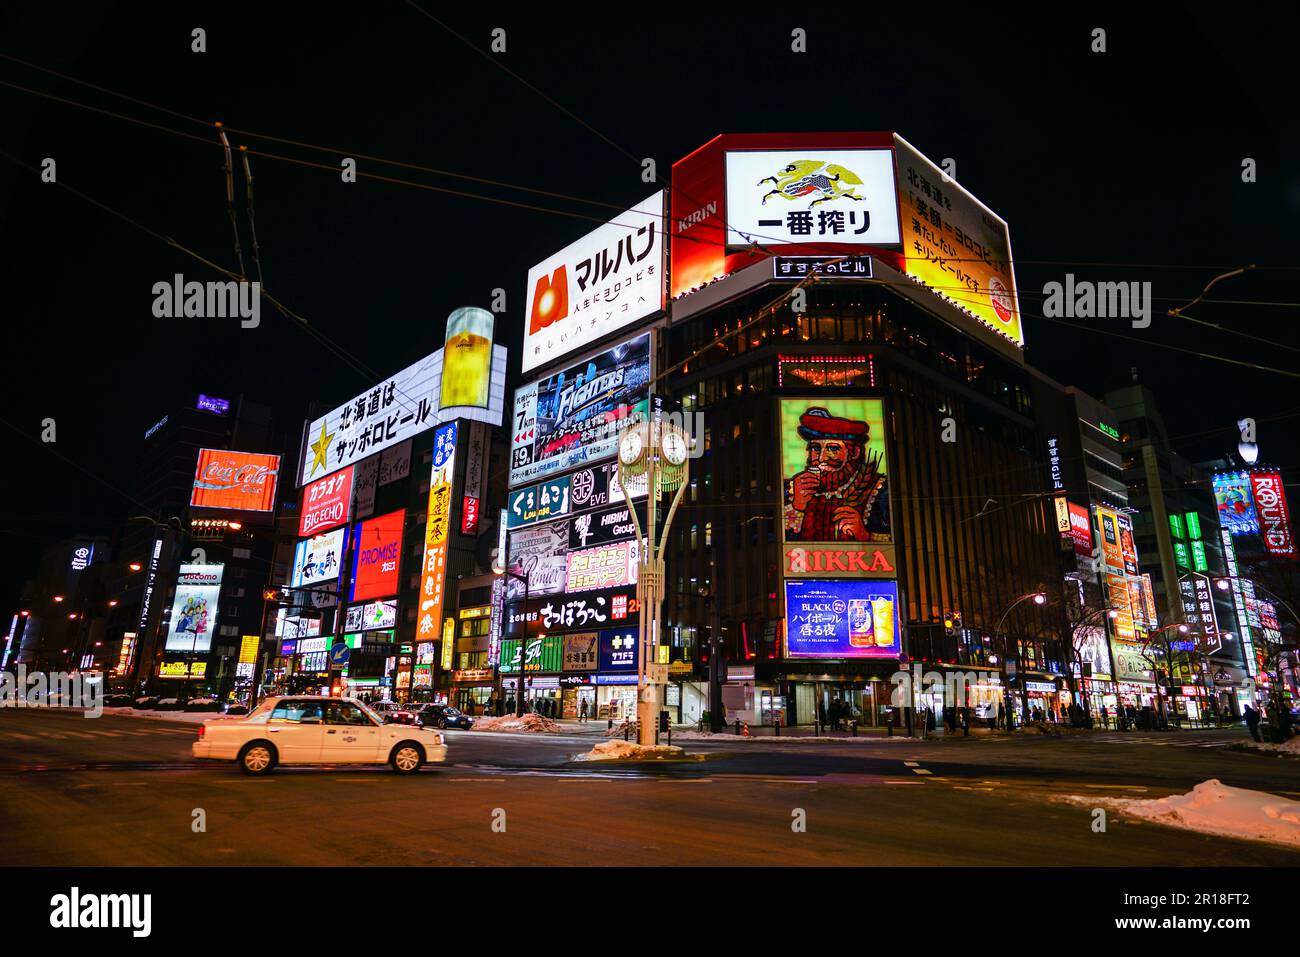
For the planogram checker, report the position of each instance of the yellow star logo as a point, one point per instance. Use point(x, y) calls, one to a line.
point(320, 448)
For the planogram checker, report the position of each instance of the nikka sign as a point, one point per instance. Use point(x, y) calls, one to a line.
point(840, 561)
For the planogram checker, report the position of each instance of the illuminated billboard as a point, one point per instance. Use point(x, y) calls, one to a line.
point(544, 653)
point(956, 245)
point(326, 502)
point(1235, 505)
point(1269, 495)
point(412, 401)
point(235, 480)
point(1127, 547)
point(835, 472)
point(1080, 529)
point(1112, 553)
point(741, 189)
point(841, 619)
point(542, 553)
point(573, 417)
point(608, 279)
point(467, 359)
point(604, 566)
point(433, 569)
point(779, 197)
point(377, 543)
point(194, 610)
point(319, 558)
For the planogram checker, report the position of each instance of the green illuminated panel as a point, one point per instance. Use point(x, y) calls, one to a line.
point(1176, 526)
point(1198, 557)
point(1180, 555)
point(1193, 525)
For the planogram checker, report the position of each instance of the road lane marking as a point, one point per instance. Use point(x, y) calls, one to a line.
point(910, 764)
point(920, 771)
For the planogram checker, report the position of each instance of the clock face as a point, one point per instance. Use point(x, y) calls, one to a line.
point(674, 448)
point(629, 449)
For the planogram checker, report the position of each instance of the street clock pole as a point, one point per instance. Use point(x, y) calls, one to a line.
point(659, 452)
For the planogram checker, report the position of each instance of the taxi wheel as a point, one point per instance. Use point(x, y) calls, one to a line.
point(407, 757)
point(257, 757)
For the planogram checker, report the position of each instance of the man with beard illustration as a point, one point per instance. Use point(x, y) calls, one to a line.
point(841, 495)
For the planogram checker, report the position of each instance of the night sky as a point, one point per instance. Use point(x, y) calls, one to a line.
point(1130, 158)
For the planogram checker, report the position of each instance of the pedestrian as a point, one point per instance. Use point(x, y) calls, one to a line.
point(582, 711)
point(821, 713)
point(1002, 717)
point(1252, 721)
point(1283, 723)
point(1105, 717)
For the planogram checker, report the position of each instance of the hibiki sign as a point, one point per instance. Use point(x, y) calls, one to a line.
point(610, 278)
point(325, 503)
point(1271, 509)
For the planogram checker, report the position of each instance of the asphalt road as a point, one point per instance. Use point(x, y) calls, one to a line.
point(124, 791)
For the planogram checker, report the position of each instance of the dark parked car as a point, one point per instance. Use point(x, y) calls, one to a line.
point(444, 716)
point(118, 701)
point(146, 702)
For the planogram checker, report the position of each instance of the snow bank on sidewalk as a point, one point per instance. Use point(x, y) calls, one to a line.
point(188, 717)
point(730, 736)
point(532, 723)
point(1215, 808)
point(1290, 746)
point(629, 751)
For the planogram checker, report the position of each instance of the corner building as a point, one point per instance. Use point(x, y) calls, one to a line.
point(875, 452)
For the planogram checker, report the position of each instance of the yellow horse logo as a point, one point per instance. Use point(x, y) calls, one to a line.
point(806, 177)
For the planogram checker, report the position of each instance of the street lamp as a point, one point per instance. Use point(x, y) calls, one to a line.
point(501, 568)
point(1038, 598)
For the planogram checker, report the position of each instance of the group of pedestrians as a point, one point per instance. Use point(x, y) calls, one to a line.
point(1282, 724)
point(835, 714)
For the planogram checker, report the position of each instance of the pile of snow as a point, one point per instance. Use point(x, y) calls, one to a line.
point(1290, 746)
point(731, 736)
point(629, 751)
point(1215, 808)
point(618, 727)
point(533, 723)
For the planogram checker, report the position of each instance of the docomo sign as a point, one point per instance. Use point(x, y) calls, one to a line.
point(1271, 510)
point(326, 503)
point(238, 480)
point(610, 278)
point(837, 561)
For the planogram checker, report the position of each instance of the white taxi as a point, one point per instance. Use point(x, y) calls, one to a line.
point(311, 729)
